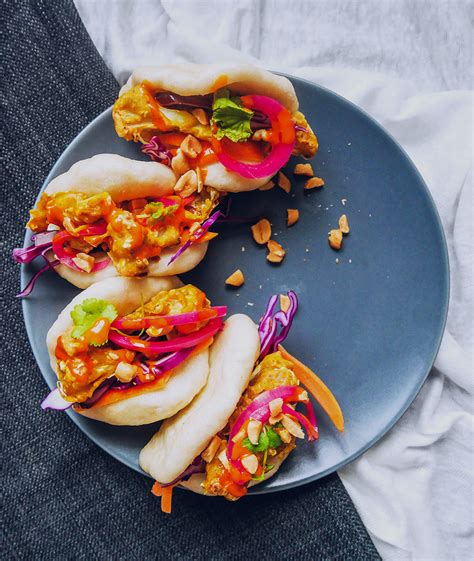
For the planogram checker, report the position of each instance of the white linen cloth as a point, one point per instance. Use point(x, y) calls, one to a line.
point(401, 62)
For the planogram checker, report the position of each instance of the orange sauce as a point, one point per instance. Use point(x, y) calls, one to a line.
point(220, 82)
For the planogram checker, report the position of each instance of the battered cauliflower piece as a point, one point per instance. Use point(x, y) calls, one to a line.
point(138, 116)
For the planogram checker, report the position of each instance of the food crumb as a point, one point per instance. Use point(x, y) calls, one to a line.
point(307, 250)
point(260, 286)
point(314, 182)
point(343, 201)
point(349, 144)
point(350, 260)
point(284, 182)
point(235, 279)
point(303, 169)
point(337, 260)
point(243, 248)
point(262, 231)
point(250, 303)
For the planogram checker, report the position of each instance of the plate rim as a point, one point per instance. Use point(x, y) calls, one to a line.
point(410, 399)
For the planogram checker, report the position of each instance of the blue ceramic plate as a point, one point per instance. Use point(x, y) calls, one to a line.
point(371, 315)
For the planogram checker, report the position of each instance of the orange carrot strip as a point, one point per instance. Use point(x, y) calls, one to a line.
point(156, 489)
point(166, 499)
point(318, 388)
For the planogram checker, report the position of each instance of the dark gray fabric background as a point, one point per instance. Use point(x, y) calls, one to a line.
point(62, 497)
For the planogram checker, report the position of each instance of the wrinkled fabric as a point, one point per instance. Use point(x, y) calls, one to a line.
point(402, 62)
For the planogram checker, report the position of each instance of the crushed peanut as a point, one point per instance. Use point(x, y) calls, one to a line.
point(250, 463)
point(211, 450)
point(303, 395)
point(224, 460)
point(304, 169)
point(284, 435)
point(179, 164)
point(269, 185)
point(335, 239)
point(274, 420)
point(201, 116)
point(275, 406)
point(344, 224)
point(191, 146)
point(284, 182)
point(236, 278)
point(276, 252)
point(261, 134)
point(254, 428)
point(84, 262)
point(292, 216)
point(262, 231)
point(187, 184)
point(239, 436)
point(314, 182)
point(284, 303)
point(292, 426)
point(200, 179)
point(154, 331)
point(125, 372)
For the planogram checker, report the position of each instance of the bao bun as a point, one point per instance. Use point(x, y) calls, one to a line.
point(186, 380)
point(123, 179)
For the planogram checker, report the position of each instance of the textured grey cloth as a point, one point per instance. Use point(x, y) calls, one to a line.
point(63, 498)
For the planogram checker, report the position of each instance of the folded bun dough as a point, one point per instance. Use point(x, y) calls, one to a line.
point(201, 79)
point(186, 381)
point(183, 437)
point(122, 178)
point(158, 268)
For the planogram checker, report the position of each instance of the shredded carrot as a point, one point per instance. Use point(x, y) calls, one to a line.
point(166, 494)
point(318, 388)
point(166, 499)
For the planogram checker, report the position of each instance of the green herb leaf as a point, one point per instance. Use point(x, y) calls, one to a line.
point(268, 439)
point(274, 439)
point(86, 314)
point(232, 120)
point(160, 211)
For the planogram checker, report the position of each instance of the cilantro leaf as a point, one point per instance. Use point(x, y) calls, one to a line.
point(274, 439)
point(160, 211)
point(232, 120)
point(268, 439)
point(84, 315)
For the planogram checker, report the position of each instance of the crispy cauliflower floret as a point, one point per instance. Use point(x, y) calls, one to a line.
point(138, 116)
point(133, 115)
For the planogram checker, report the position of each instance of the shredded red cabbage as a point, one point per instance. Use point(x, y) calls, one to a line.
point(159, 367)
point(43, 238)
point(98, 393)
point(300, 128)
point(157, 151)
point(26, 254)
point(54, 400)
point(176, 101)
point(198, 234)
point(31, 283)
point(270, 337)
point(197, 466)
